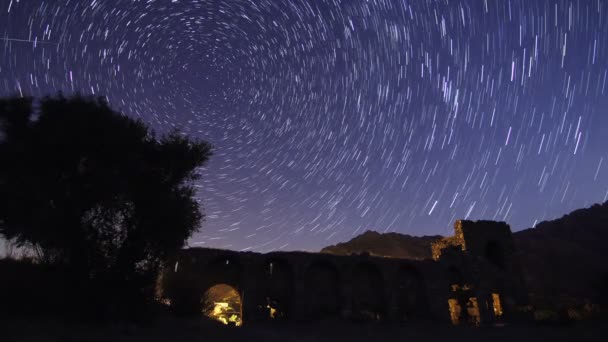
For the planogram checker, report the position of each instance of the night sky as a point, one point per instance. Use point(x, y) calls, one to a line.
point(332, 117)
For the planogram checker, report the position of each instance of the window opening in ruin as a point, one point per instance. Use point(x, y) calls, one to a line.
point(455, 310)
point(497, 305)
point(463, 308)
point(223, 303)
point(473, 311)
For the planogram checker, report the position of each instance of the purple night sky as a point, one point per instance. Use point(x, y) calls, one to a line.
point(332, 117)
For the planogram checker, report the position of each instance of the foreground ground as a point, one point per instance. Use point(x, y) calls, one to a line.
point(199, 330)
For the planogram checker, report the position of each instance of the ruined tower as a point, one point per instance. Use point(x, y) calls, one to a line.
point(483, 271)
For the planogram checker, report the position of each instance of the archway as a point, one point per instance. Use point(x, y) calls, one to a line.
point(368, 297)
point(411, 293)
point(223, 303)
point(322, 286)
point(279, 289)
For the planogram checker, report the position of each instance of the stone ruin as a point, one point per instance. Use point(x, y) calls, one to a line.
point(474, 278)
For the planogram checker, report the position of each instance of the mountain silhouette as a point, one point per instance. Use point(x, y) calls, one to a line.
point(564, 260)
point(391, 245)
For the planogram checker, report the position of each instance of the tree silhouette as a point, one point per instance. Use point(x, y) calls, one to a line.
point(94, 190)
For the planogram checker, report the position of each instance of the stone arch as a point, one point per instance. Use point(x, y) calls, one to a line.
point(224, 269)
point(368, 295)
point(411, 298)
point(223, 303)
point(322, 286)
point(495, 253)
point(279, 288)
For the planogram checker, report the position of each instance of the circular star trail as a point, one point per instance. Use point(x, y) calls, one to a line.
point(331, 117)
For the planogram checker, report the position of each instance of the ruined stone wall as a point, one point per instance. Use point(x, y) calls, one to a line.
point(440, 246)
point(309, 286)
point(477, 234)
point(457, 241)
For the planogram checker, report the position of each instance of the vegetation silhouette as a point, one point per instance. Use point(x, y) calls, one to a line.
point(97, 196)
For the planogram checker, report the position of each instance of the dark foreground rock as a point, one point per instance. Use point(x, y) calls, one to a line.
point(202, 330)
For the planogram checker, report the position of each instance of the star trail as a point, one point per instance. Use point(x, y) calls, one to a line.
point(332, 117)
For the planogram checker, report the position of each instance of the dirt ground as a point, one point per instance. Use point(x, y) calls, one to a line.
point(200, 330)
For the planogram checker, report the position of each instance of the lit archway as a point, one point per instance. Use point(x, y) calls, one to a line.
point(223, 303)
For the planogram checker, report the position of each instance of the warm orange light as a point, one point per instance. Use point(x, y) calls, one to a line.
point(497, 305)
point(473, 311)
point(455, 310)
point(223, 312)
point(273, 311)
point(223, 304)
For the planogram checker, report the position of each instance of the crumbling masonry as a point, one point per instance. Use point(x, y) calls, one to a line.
point(474, 278)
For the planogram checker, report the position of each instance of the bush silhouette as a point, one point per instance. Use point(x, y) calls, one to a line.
point(96, 192)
